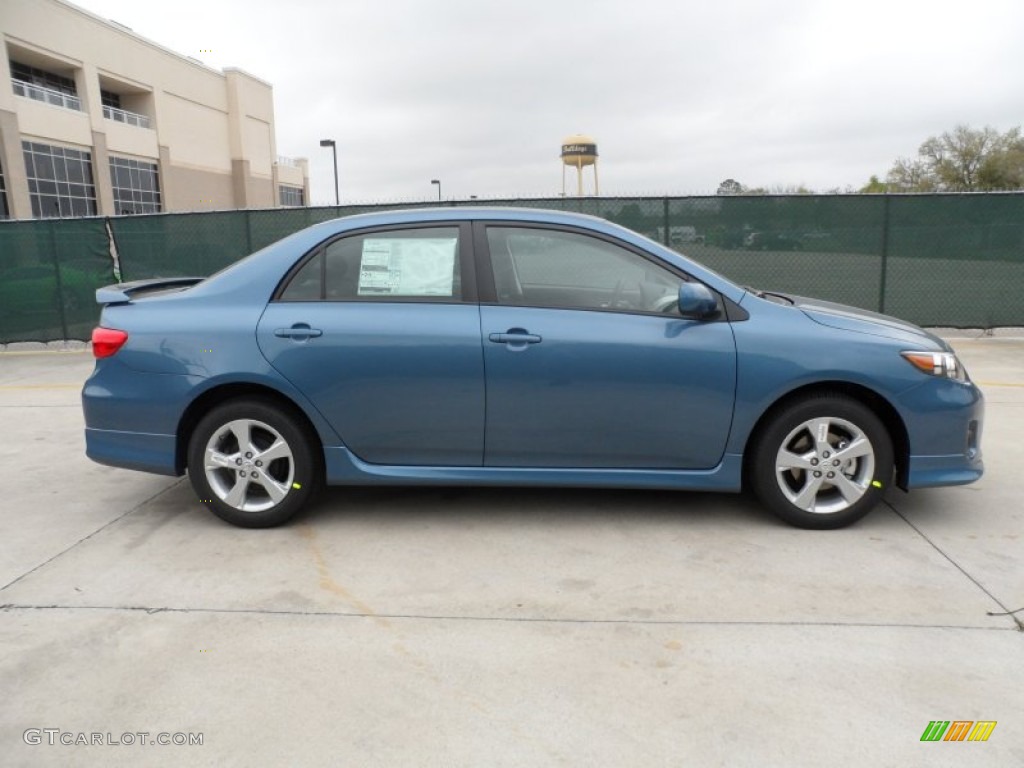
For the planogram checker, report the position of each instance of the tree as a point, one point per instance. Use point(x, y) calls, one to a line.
point(910, 176)
point(874, 186)
point(730, 187)
point(1004, 167)
point(962, 160)
point(778, 189)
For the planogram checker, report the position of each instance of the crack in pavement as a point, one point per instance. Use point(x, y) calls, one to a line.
point(377, 617)
point(955, 564)
point(85, 538)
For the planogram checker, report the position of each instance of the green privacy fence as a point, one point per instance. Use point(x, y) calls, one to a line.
point(49, 272)
point(937, 260)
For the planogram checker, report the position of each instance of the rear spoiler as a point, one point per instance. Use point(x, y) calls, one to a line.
point(122, 293)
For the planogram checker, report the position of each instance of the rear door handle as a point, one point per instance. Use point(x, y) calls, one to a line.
point(298, 331)
point(515, 336)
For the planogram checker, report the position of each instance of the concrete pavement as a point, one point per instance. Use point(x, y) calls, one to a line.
point(465, 627)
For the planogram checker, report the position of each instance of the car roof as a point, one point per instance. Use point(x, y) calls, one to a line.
point(467, 213)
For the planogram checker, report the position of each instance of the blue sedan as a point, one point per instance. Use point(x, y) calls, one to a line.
point(491, 346)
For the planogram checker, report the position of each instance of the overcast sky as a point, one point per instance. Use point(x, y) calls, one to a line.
point(679, 95)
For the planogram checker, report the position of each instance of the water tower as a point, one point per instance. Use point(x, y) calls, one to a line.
point(578, 152)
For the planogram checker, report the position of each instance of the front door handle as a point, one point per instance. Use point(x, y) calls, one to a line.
point(299, 332)
point(515, 336)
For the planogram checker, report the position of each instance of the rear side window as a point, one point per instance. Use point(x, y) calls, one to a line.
point(306, 284)
point(418, 264)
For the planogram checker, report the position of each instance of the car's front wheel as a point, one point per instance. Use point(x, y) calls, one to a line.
point(253, 463)
point(822, 462)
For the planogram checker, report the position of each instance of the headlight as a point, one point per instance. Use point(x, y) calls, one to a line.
point(942, 364)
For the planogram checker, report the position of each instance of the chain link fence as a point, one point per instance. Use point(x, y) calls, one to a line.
point(936, 260)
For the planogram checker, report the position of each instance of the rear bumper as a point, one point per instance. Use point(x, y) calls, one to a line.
point(131, 418)
point(132, 450)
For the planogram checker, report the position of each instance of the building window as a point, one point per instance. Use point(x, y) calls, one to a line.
point(5, 212)
point(136, 186)
point(40, 85)
point(59, 181)
point(291, 195)
point(110, 99)
point(43, 79)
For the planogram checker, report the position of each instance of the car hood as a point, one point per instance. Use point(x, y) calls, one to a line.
point(849, 318)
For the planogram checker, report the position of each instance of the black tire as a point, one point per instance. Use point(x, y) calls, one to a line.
point(243, 489)
point(787, 490)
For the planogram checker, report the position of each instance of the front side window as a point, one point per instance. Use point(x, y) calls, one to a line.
point(59, 181)
point(550, 268)
point(136, 186)
point(420, 264)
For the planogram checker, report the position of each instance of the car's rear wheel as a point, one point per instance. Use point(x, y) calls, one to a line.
point(822, 462)
point(253, 463)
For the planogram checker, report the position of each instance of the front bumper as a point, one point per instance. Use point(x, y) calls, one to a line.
point(945, 429)
point(931, 471)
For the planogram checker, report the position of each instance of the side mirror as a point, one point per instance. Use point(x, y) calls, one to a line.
point(696, 301)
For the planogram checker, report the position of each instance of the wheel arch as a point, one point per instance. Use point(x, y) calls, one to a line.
point(878, 404)
point(222, 393)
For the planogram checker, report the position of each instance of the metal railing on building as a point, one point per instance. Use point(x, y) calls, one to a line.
point(124, 116)
point(291, 162)
point(46, 95)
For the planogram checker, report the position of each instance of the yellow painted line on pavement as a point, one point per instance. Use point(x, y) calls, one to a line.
point(41, 386)
point(20, 352)
point(998, 384)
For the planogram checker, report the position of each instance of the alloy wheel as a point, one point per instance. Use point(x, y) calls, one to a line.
point(249, 465)
point(825, 465)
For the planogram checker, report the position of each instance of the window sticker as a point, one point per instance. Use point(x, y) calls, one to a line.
point(407, 267)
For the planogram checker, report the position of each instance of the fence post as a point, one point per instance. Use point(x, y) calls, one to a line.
point(665, 237)
point(248, 233)
point(59, 284)
point(885, 253)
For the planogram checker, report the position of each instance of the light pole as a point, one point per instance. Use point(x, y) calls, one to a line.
point(438, 182)
point(334, 149)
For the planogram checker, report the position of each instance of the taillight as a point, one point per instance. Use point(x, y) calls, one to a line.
point(106, 341)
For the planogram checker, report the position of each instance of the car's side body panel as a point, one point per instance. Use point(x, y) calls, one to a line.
point(607, 389)
point(781, 350)
point(344, 468)
point(401, 383)
point(179, 349)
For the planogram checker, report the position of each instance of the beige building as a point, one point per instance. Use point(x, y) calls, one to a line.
point(96, 120)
